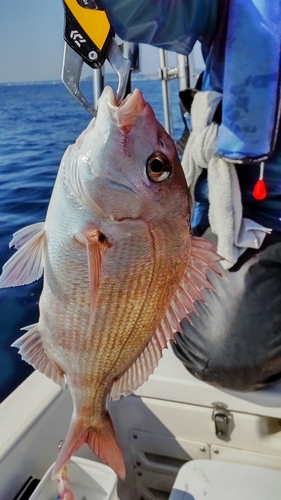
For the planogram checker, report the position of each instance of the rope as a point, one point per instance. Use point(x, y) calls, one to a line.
point(234, 233)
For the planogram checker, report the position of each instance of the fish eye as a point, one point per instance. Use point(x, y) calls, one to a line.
point(158, 167)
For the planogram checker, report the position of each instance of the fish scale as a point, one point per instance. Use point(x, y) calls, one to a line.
point(103, 338)
point(121, 269)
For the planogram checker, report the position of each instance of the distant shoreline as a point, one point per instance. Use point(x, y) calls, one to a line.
point(110, 77)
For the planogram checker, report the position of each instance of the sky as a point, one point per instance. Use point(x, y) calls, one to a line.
point(31, 42)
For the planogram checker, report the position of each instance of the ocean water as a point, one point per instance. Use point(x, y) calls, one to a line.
point(37, 123)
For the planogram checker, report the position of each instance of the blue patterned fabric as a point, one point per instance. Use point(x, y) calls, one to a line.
point(242, 63)
point(168, 24)
point(251, 79)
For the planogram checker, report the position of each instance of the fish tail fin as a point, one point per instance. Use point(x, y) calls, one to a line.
point(101, 440)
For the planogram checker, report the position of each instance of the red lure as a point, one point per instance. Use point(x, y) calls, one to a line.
point(260, 191)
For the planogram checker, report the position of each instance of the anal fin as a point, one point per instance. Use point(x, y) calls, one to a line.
point(32, 351)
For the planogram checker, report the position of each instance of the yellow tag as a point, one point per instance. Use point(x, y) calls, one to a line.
point(93, 22)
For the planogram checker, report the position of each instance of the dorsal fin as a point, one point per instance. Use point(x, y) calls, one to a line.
point(203, 258)
point(144, 365)
point(26, 265)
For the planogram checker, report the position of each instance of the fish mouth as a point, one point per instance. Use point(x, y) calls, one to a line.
point(129, 110)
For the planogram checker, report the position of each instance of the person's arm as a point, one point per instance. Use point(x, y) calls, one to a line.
point(169, 24)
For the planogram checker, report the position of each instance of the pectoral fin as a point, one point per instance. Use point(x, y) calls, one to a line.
point(26, 265)
point(91, 240)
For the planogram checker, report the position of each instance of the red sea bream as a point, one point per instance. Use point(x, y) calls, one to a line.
point(121, 269)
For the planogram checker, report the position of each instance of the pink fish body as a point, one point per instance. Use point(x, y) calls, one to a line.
point(121, 269)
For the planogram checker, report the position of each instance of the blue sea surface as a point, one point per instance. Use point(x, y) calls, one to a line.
point(38, 122)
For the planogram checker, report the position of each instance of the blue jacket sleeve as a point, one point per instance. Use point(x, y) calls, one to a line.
point(169, 24)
